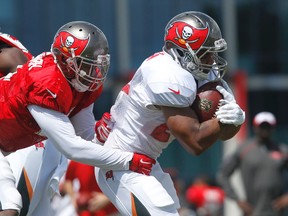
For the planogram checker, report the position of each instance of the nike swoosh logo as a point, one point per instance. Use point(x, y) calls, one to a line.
point(144, 162)
point(173, 90)
point(52, 94)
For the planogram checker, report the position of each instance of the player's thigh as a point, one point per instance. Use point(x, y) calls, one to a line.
point(132, 192)
point(114, 190)
point(168, 184)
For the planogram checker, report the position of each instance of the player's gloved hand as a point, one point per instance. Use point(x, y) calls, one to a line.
point(141, 163)
point(229, 111)
point(103, 127)
point(227, 95)
point(226, 86)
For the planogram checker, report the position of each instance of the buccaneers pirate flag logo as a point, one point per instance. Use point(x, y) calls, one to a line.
point(68, 42)
point(181, 33)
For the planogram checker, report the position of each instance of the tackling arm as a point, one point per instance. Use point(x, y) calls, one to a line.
point(58, 128)
point(84, 123)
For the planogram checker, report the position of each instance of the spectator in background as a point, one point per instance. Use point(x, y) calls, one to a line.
point(205, 197)
point(179, 186)
point(262, 162)
point(81, 186)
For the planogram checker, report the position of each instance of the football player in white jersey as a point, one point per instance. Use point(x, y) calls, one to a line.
point(153, 109)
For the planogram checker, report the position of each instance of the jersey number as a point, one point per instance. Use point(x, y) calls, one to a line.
point(161, 133)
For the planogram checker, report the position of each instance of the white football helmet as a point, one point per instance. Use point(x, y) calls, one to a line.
point(194, 40)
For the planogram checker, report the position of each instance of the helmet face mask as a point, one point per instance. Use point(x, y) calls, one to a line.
point(81, 52)
point(194, 41)
point(88, 75)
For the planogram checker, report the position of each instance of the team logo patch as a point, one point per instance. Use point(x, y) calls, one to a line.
point(205, 105)
point(181, 33)
point(68, 42)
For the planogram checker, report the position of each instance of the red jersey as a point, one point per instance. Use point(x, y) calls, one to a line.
point(39, 82)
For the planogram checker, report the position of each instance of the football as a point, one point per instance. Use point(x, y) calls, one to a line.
point(207, 100)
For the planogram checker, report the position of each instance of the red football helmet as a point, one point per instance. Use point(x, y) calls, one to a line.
point(11, 41)
point(7, 41)
point(81, 52)
point(194, 40)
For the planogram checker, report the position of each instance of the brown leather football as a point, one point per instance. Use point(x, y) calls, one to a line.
point(207, 100)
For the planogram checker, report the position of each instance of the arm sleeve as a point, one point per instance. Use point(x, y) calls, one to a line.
point(227, 168)
point(84, 123)
point(58, 128)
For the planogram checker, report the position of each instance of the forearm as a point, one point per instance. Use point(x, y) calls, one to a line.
point(209, 133)
point(184, 125)
point(57, 127)
point(198, 137)
point(228, 131)
point(84, 123)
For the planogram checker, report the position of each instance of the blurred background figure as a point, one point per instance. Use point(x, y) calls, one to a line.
point(86, 196)
point(179, 185)
point(262, 162)
point(205, 197)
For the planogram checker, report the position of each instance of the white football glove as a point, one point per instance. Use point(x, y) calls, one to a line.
point(229, 111)
point(227, 93)
point(226, 86)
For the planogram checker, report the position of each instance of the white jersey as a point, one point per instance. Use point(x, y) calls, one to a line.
point(141, 125)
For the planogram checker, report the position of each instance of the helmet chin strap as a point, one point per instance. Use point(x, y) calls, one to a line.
point(199, 75)
point(175, 56)
point(191, 66)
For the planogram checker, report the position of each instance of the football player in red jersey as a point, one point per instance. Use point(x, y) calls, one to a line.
point(51, 97)
point(30, 164)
